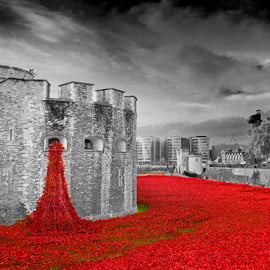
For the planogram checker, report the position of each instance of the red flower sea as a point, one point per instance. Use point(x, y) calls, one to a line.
point(189, 224)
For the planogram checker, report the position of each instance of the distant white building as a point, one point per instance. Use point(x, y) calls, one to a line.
point(144, 150)
point(188, 162)
point(232, 156)
point(195, 164)
point(182, 160)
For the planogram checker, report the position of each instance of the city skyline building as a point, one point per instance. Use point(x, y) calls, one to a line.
point(153, 150)
point(171, 145)
point(199, 145)
point(217, 148)
point(157, 151)
point(187, 162)
point(144, 146)
point(233, 156)
point(150, 150)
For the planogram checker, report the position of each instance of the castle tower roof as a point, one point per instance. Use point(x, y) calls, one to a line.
point(14, 72)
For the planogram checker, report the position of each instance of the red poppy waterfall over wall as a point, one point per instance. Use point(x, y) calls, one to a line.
point(54, 211)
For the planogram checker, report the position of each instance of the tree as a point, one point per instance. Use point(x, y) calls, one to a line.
point(265, 148)
point(260, 141)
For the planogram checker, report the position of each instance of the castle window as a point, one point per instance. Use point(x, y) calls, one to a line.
point(120, 178)
point(54, 138)
point(94, 144)
point(120, 146)
point(11, 134)
point(88, 144)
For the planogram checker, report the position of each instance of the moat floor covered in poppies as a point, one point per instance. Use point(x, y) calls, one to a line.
point(189, 224)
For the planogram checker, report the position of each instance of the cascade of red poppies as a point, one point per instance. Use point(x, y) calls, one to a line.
point(54, 211)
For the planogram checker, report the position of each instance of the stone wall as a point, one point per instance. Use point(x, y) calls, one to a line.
point(252, 176)
point(100, 181)
point(131, 132)
point(21, 129)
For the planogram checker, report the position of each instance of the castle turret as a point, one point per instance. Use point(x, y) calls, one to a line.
point(131, 103)
point(77, 91)
point(14, 72)
point(114, 97)
point(21, 130)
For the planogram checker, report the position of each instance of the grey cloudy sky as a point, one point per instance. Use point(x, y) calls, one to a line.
point(193, 67)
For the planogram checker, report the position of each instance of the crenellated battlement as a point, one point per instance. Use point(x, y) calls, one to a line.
point(114, 97)
point(37, 88)
point(77, 91)
point(130, 103)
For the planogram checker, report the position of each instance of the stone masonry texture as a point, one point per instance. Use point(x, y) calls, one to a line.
point(101, 179)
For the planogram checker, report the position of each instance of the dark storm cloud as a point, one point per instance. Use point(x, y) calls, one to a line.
point(241, 8)
point(224, 92)
point(205, 62)
point(218, 130)
point(82, 9)
point(251, 8)
point(220, 75)
point(9, 20)
point(7, 16)
point(235, 94)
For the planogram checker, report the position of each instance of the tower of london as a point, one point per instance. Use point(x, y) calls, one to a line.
point(97, 129)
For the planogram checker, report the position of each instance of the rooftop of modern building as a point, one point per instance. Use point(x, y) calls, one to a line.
point(200, 136)
point(238, 150)
point(144, 137)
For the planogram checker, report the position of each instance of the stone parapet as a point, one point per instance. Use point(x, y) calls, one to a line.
point(77, 91)
point(114, 97)
point(130, 103)
point(14, 72)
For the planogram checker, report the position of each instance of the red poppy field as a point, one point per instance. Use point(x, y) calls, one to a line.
point(190, 224)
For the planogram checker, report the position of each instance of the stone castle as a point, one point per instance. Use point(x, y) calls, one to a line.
point(97, 129)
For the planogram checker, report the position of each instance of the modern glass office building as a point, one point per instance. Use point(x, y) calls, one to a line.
point(200, 146)
point(150, 150)
point(144, 151)
point(171, 145)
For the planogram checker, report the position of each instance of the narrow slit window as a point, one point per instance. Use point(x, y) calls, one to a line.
point(120, 178)
point(11, 134)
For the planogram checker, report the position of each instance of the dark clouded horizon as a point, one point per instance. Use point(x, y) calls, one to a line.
point(196, 68)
